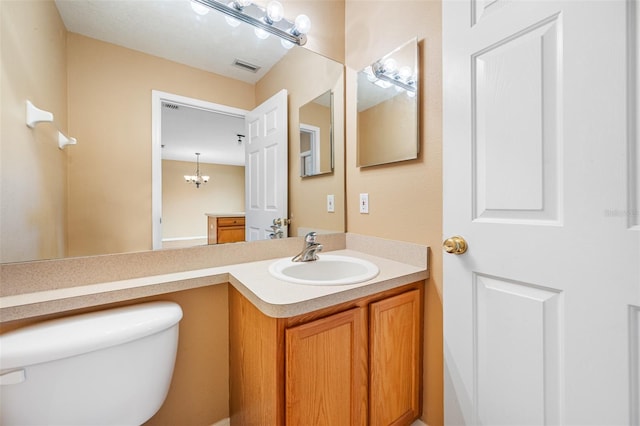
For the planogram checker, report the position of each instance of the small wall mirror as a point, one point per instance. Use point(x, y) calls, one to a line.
point(388, 102)
point(316, 136)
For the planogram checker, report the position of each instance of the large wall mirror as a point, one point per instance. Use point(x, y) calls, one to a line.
point(388, 101)
point(94, 65)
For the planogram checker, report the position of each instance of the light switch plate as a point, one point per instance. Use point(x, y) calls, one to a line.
point(331, 203)
point(364, 203)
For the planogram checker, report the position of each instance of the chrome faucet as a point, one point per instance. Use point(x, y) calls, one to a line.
point(310, 250)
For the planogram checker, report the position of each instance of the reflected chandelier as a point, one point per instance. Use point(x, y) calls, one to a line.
point(198, 179)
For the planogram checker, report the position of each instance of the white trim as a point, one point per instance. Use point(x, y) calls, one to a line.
point(157, 97)
point(314, 152)
point(184, 238)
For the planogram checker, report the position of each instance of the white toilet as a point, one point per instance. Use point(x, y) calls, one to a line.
point(110, 367)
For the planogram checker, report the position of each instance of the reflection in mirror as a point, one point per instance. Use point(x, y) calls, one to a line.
point(316, 138)
point(192, 125)
point(87, 65)
point(388, 108)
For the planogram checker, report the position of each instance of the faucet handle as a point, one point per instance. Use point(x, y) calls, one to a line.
point(310, 237)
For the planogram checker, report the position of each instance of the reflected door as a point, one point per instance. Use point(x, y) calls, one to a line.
point(266, 167)
point(541, 313)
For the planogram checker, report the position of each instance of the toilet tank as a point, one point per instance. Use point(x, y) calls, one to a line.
point(110, 367)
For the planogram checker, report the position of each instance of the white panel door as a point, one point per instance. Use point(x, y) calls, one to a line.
point(541, 314)
point(266, 167)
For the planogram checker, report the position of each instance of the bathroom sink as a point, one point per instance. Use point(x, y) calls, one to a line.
point(327, 270)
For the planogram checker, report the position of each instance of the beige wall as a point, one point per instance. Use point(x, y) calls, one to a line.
point(310, 76)
point(110, 114)
point(184, 206)
point(405, 198)
point(33, 171)
point(377, 141)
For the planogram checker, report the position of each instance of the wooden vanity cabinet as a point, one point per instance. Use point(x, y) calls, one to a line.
point(358, 363)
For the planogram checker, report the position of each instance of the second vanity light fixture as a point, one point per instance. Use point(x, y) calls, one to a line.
point(389, 74)
point(269, 20)
point(198, 179)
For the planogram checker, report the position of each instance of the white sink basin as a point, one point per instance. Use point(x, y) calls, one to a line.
point(327, 270)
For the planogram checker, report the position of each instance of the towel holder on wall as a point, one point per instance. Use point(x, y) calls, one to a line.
point(36, 115)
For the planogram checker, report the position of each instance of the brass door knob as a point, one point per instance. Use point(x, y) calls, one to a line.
point(455, 245)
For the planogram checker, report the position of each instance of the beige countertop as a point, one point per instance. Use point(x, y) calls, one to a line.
point(399, 264)
point(282, 299)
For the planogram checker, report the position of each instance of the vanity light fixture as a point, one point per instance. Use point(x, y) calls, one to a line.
point(388, 72)
point(198, 179)
point(269, 20)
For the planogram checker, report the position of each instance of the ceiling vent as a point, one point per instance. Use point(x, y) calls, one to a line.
point(170, 106)
point(245, 66)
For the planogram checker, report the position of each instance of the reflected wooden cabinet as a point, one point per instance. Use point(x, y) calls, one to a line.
point(357, 363)
point(225, 229)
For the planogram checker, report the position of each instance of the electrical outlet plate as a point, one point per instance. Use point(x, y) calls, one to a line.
point(364, 203)
point(331, 203)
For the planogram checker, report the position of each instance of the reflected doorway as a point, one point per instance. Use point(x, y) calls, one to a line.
point(182, 127)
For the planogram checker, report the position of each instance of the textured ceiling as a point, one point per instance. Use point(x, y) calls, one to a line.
point(186, 131)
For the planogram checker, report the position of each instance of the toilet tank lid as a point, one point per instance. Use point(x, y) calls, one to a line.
point(78, 334)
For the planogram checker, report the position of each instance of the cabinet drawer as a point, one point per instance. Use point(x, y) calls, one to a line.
point(230, 234)
point(230, 221)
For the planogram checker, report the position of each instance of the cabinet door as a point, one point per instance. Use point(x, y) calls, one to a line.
point(394, 356)
point(326, 371)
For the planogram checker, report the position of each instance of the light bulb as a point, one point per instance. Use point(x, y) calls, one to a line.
point(302, 25)
point(369, 72)
point(275, 11)
point(399, 89)
point(205, 179)
point(411, 93)
point(405, 73)
point(231, 21)
point(198, 8)
point(390, 66)
point(286, 43)
point(241, 4)
point(260, 33)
